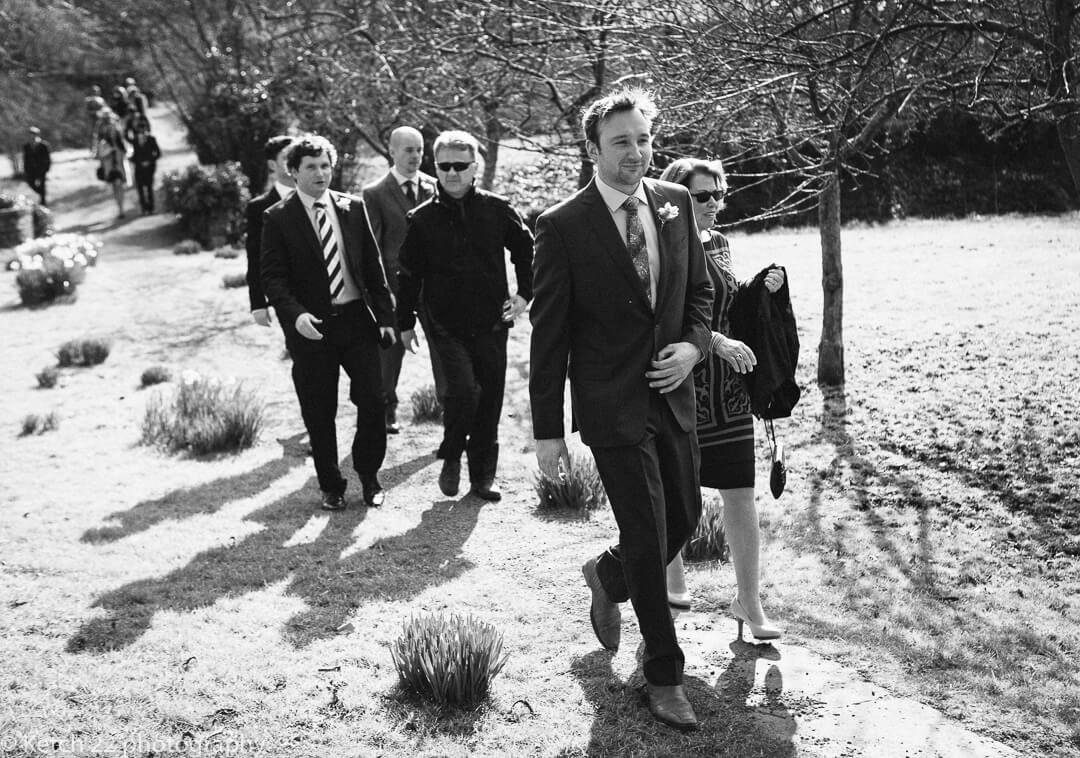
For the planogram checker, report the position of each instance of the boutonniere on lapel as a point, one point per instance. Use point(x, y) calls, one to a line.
point(343, 204)
point(667, 213)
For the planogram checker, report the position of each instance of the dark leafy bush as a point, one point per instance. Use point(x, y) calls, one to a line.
point(450, 661)
point(34, 423)
point(155, 375)
point(708, 542)
point(233, 281)
point(88, 351)
point(580, 489)
point(426, 406)
point(228, 252)
point(43, 221)
point(534, 187)
point(203, 416)
point(210, 201)
point(47, 377)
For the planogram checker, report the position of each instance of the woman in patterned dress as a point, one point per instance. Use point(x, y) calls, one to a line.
point(725, 425)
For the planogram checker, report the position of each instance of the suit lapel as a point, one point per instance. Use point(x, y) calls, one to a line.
point(664, 230)
point(603, 226)
point(392, 188)
point(298, 218)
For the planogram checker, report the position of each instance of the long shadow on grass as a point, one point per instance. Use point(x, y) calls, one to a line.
point(623, 725)
point(206, 498)
point(332, 587)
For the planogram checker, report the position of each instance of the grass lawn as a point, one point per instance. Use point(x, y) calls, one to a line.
point(161, 605)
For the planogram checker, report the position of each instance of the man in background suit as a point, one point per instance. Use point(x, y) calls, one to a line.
point(36, 162)
point(388, 200)
point(622, 302)
point(275, 150)
point(322, 273)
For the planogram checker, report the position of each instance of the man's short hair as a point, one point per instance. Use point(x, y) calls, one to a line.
point(309, 145)
point(626, 99)
point(275, 145)
point(456, 140)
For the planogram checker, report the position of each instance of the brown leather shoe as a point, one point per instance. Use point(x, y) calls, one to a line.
point(605, 615)
point(670, 706)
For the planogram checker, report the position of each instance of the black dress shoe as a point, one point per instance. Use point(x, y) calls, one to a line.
point(605, 615)
point(373, 491)
point(450, 477)
point(483, 491)
point(669, 705)
point(333, 501)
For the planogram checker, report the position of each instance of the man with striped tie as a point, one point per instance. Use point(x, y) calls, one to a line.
point(322, 273)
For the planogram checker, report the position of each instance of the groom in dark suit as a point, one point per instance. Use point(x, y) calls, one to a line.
point(276, 149)
point(622, 304)
point(322, 273)
point(388, 200)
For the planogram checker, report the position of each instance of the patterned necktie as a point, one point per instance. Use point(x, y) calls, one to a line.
point(635, 243)
point(330, 250)
point(410, 193)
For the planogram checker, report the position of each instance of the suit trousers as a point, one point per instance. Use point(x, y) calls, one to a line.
point(475, 370)
point(394, 356)
point(350, 341)
point(144, 184)
point(654, 494)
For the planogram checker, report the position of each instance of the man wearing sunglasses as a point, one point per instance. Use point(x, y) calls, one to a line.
point(454, 252)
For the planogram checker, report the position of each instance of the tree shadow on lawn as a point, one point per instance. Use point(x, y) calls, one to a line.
point(398, 567)
point(727, 725)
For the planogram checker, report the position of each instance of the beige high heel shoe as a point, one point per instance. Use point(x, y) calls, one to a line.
point(763, 631)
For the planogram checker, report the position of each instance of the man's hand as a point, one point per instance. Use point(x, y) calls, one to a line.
point(774, 280)
point(513, 307)
point(410, 340)
point(552, 457)
point(262, 316)
point(673, 364)
point(305, 324)
point(386, 336)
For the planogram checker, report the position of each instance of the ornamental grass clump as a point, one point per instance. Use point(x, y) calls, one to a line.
point(47, 377)
point(88, 351)
point(51, 267)
point(708, 542)
point(232, 281)
point(202, 417)
point(450, 661)
point(34, 423)
point(187, 247)
point(154, 375)
point(578, 489)
point(426, 406)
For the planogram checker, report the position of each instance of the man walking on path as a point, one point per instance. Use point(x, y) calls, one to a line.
point(321, 272)
point(275, 150)
point(622, 305)
point(36, 162)
point(455, 251)
point(388, 201)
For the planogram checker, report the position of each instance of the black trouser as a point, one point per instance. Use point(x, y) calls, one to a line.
point(393, 357)
point(653, 490)
point(37, 184)
point(144, 184)
point(350, 341)
point(475, 369)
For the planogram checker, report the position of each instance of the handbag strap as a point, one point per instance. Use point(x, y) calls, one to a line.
point(771, 434)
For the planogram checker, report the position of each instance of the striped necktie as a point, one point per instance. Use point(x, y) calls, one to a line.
point(635, 243)
point(330, 250)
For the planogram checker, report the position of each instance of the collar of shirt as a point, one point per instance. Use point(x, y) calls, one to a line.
point(283, 190)
point(400, 178)
point(614, 198)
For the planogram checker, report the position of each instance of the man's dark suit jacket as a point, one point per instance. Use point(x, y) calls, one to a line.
point(36, 158)
point(254, 214)
point(294, 275)
point(592, 320)
point(386, 206)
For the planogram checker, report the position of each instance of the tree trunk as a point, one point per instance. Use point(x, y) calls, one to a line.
point(1063, 83)
point(493, 134)
point(831, 349)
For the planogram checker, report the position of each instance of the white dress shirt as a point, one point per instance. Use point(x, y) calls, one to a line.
point(350, 290)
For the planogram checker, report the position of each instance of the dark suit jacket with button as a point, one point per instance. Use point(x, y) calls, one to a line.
point(254, 215)
point(386, 206)
point(592, 320)
point(294, 275)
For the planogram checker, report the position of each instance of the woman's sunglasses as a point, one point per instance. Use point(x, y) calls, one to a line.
point(458, 166)
point(705, 195)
